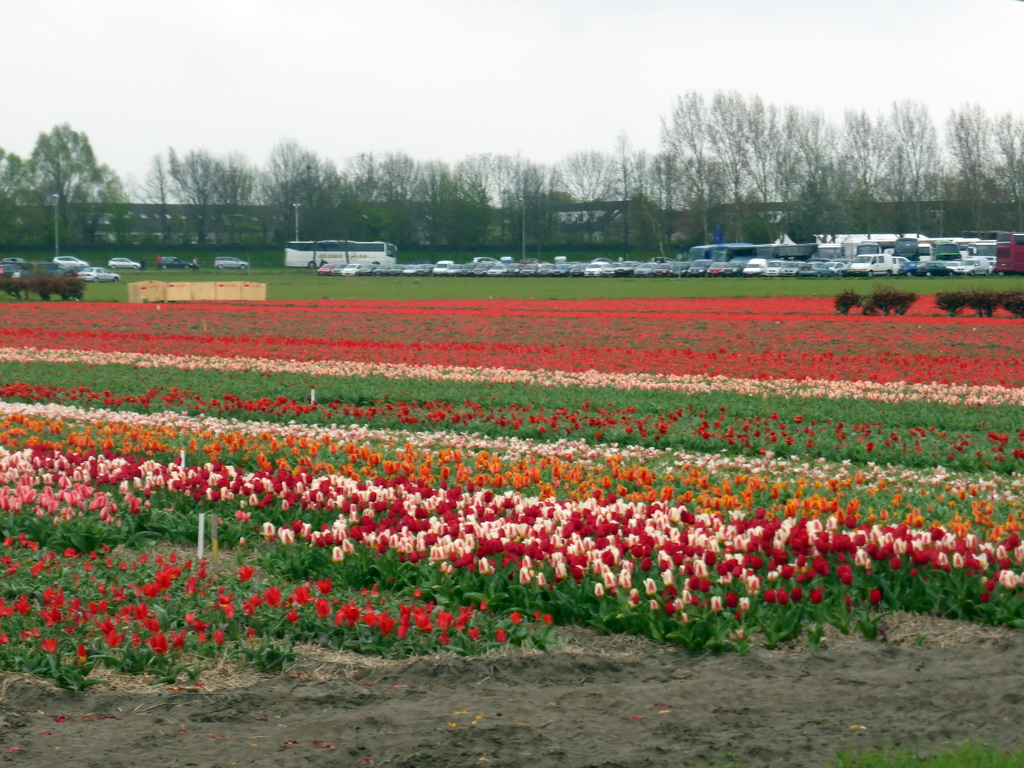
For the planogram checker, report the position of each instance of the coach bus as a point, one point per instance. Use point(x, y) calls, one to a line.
point(312, 254)
point(1010, 253)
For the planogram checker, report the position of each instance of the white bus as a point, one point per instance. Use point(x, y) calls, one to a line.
point(312, 254)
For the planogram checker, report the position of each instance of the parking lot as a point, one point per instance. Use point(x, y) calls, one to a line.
point(606, 269)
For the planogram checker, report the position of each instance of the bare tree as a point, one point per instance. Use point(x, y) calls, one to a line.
point(864, 149)
point(302, 187)
point(763, 137)
point(588, 178)
point(814, 171)
point(914, 164)
point(156, 190)
point(235, 194)
point(195, 179)
point(969, 139)
point(685, 137)
point(727, 119)
point(1008, 168)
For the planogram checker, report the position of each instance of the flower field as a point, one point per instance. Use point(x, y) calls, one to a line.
point(404, 478)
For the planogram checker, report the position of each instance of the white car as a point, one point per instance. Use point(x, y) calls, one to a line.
point(98, 275)
point(982, 266)
point(960, 267)
point(599, 269)
point(755, 268)
point(445, 268)
point(70, 262)
point(120, 262)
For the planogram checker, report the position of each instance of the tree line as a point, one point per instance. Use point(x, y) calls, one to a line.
point(726, 163)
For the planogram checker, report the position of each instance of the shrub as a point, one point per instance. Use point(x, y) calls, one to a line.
point(43, 286)
point(845, 301)
point(14, 286)
point(985, 303)
point(70, 288)
point(951, 302)
point(889, 301)
point(46, 286)
point(1012, 302)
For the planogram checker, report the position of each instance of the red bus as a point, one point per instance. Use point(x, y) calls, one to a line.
point(1010, 253)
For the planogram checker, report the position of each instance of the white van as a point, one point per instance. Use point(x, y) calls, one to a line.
point(872, 265)
point(755, 267)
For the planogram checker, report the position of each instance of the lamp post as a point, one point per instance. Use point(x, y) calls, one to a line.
point(56, 225)
point(522, 217)
point(296, 207)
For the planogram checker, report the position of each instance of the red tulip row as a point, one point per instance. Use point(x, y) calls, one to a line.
point(741, 337)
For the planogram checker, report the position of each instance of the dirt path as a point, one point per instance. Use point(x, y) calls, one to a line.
point(600, 702)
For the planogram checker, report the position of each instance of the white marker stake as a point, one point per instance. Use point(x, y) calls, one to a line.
point(182, 458)
point(312, 395)
point(202, 534)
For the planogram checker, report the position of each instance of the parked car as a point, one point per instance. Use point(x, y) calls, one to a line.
point(445, 268)
point(121, 262)
point(962, 267)
point(345, 270)
point(732, 268)
point(325, 270)
point(698, 268)
point(982, 266)
point(871, 265)
point(98, 275)
point(13, 266)
point(51, 268)
point(229, 262)
point(173, 262)
point(70, 262)
point(417, 269)
point(599, 269)
point(938, 269)
point(755, 268)
point(788, 268)
point(815, 269)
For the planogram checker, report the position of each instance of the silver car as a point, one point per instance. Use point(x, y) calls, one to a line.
point(98, 275)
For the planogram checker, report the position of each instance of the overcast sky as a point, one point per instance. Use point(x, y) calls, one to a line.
point(442, 79)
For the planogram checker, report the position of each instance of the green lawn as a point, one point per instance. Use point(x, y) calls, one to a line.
point(300, 284)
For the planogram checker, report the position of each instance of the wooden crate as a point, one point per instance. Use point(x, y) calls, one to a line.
point(147, 291)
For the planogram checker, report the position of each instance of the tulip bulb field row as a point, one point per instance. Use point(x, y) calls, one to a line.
point(406, 478)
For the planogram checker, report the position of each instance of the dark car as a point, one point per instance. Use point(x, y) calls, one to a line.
point(173, 262)
point(15, 268)
point(732, 268)
point(698, 268)
point(938, 269)
point(50, 268)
